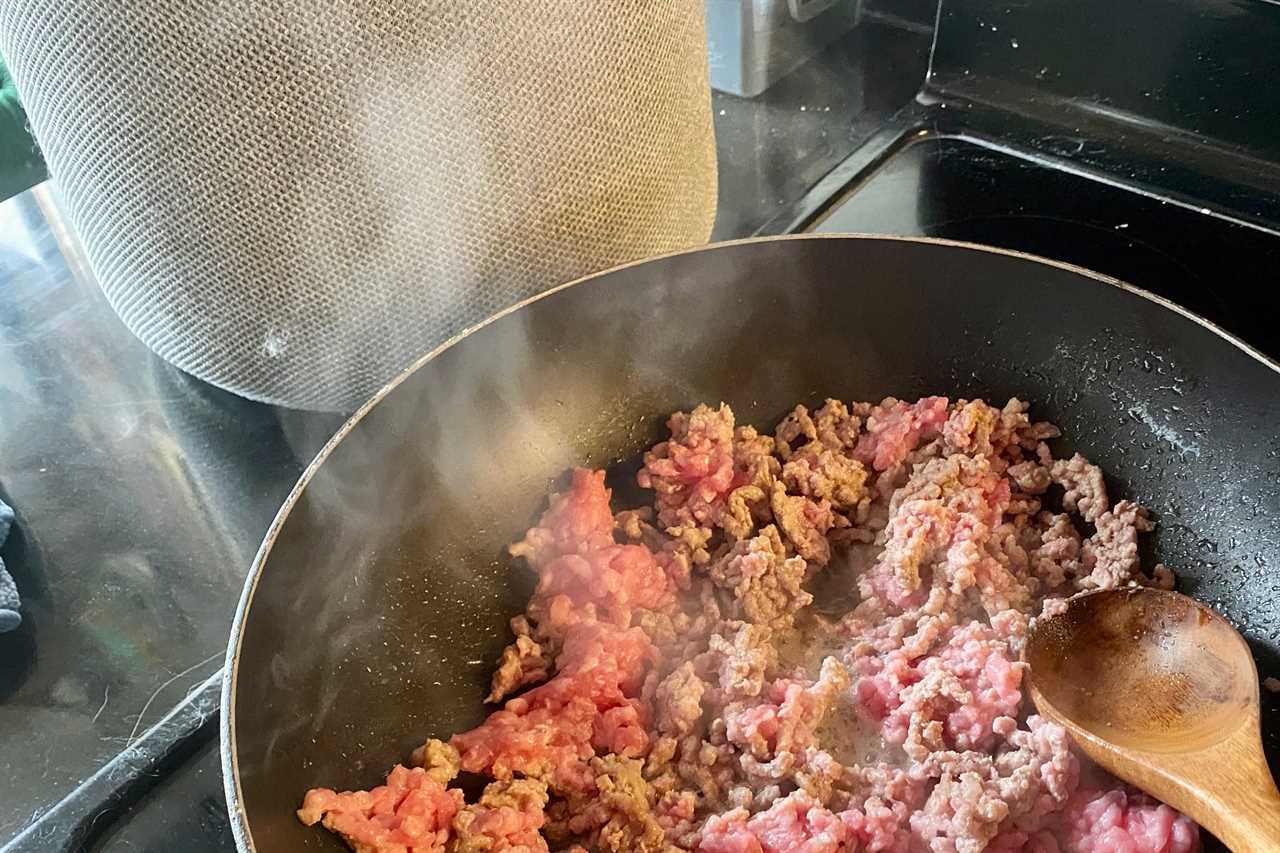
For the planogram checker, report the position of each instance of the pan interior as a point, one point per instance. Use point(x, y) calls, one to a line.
point(382, 603)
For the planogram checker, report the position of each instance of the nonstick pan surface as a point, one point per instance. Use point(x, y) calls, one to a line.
point(380, 598)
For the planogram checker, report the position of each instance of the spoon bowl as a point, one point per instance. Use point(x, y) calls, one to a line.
point(1163, 692)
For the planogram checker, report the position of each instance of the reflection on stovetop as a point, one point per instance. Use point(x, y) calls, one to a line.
point(966, 189)
point(186, 811)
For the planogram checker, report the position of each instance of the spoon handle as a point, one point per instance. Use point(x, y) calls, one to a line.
point(1247, 813)
point(1254, 824)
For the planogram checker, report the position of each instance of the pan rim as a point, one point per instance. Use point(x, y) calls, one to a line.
point(227, 738)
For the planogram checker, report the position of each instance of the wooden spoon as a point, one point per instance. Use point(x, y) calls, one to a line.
point(1162, 692)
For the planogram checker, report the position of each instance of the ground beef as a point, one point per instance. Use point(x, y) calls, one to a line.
point(692, 472)
point(762, 583)
point(823, 474)
point(796, 428)
point(508, 817)
point(831, 426)
point(1041, 769)
point(708, 474)
point(1057, 558)
point(895, 428)
point(805, 522)
point(608, 583)
point(1086, 491)
point(978, 796)
point(1125, 821)
point(616, 814)
point(942, 528)
point(776, 733)
point(577, 521)
point(522, 663)
point(1111, 554)
point(740, 663)
point(970, 428)
point(551, 732)
point(439, 759)
point(1031, 477)
point(946, 700)
point(1004, 436)
point(678, 700)
point(809, 641)
point(411, 811)
point(795, 824)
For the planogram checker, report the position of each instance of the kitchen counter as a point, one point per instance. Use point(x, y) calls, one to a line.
point(142, 494)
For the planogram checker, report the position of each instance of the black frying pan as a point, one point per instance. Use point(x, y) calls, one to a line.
point(379, 600)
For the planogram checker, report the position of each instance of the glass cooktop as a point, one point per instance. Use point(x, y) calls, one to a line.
point(963, 188)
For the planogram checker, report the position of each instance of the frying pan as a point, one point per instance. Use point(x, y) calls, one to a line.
point(379, 600)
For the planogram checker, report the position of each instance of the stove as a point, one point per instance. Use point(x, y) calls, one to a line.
point(1137, 140)
point(962, 187)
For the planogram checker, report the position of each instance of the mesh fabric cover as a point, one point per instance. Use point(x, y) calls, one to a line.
point(293, 200)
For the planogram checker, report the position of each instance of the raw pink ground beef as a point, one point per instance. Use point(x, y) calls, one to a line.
point(1121, 820)
point(672, 685)
point(409, 812)
point(966, 685)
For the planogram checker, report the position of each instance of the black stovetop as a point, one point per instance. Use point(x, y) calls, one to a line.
point(965, 187)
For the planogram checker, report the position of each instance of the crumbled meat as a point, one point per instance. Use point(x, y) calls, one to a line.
point(1162, 577)
point(1040, 770)
point(608, 583)
point(946, 700)
point(976, 794)
point(895, 428)
point(741, 664)
point(617, 814)
point(508, 817)
point(942, 528)
point(687, 548)
point(831, 427)
point(693, 470)
point(550, 732)
point(522, 664)
point(835, 427)
point(1031, 477)
point(411, 811)
point(805, 522)
point(753, 460)
point(763, 583)
point(1111, 554)
point(670, 688)
point(583, 575)
point(797, 425)
point(679, 702)
point(708, 474)
point(1057, 558)
point(775, 733)
point(970, 427)
point(1086, 491)
point(439, 759)
point(577, 521)
point(963, 812)
point(823, 474)
point(794, 824)
point(1002, 435)
point(1122, 819)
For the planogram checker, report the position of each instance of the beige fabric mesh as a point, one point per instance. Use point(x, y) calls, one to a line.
point(294, 199)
